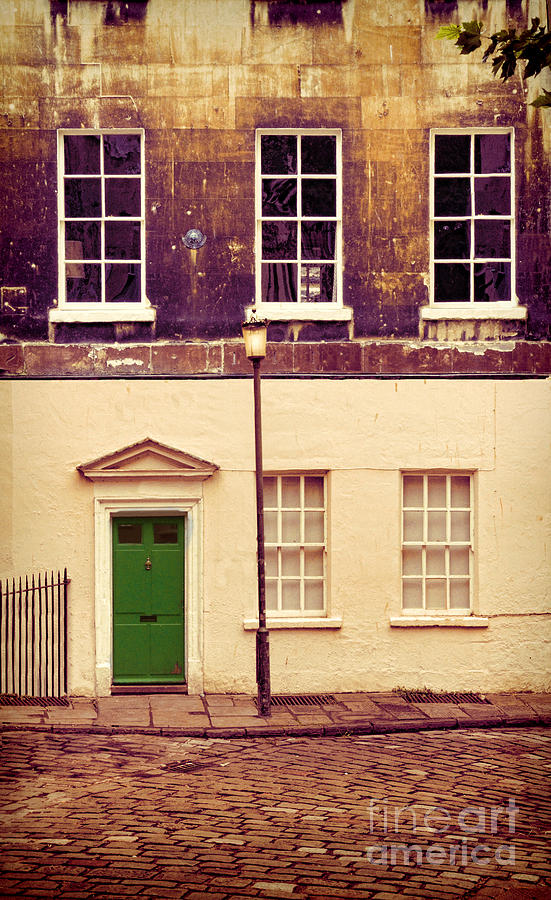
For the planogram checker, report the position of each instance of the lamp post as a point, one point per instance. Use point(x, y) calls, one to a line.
point(254, 334)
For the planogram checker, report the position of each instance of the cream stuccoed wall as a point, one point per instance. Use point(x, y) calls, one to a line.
point(363, 432)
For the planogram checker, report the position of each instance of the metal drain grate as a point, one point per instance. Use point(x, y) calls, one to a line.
point(16, 700)
point(301, 700)
point(432, 697)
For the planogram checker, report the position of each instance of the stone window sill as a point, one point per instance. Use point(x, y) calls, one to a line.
point(473, 311)
point(310, 312)
point(120, 312)
point(439, 622)
point(273, 624)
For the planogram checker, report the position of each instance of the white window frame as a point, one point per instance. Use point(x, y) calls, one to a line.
point(99, 311)
point(471, 308)
point(424, 544)
point(301, 613)
point(289, 311)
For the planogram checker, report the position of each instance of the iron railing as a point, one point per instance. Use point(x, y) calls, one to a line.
point(33, 635)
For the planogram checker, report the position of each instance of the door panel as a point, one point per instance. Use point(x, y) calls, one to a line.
point(148, 600)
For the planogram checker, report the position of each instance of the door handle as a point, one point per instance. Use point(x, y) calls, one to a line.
point(148, 564)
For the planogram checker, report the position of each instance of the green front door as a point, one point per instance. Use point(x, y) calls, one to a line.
point(148, 600)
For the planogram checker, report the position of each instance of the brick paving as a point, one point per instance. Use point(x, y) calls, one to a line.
point(432, 814)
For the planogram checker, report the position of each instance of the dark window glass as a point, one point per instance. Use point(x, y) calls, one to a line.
point(278, 154)
point(492, 153)
point(122, 283)
point(129, 533)
point(82, 240)
point(122, 197)
point(122, 240)
point(165, 532)
point(319, 197)
point(82, 154)
point(451, 282)
point(492, 238)
point(452, 197)
point(83, 282)
point(318, 154)
point(451, 240)
point(318, 240)
point(492, 196)
point(452, 153)
point(82, 198)
point(279, 282)
point(492, 282)
point(121, 154)
point(316, 283)
point(279, 197)
point(279, 240)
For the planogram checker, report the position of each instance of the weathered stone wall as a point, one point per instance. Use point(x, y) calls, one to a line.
point(199, 76)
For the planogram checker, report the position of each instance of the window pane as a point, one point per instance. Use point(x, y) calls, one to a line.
point(317, 284)
point(451, 240)
point(313, 527)
point(278, 154)
point(290, 561)
point(270, 561)
point(459, 594)
point(279, 240)
point(165, 532)
point(413, 490)
point(435, 589)
point(313, 594)
point(412, 561)
point(492, 196)
point(122, 240)
point(437, 491)
point(290, 594)
point(412, 594)
point(460, 490)
point(122, 197)
point(82, 240)
point(83, 282)
point(318, 240)
point(452, 282)
point(313, 561)
point(270, 526)
point(82, 154)
point(436, 561)
point(270, 491)
point(290, 524)
point(413, 526)
point(452, 197)
point(492, 238)
point(319, 154)
point(271, 594)
point(492, 282)
point(460, 526)
point(279, 197)
point(313, 492)
point(129, 533)
point(459, 560)
point(82, 198)
point(319, 197)
point(290, 491)
point(452, 153)
point(492, 153)
point(122, 283)
point(279, 282)
point(121, 154)
point(436, 526)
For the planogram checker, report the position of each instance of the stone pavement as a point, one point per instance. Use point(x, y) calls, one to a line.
point(437, 815)
point(235, 716)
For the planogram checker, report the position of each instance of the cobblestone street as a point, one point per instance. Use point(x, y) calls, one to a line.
point(297, 817)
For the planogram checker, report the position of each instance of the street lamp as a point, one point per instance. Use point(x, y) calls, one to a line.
point(254, 334)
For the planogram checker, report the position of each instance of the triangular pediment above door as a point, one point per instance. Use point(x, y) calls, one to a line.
point(147, 459)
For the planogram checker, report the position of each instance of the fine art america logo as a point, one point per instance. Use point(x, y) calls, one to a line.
point(466, 834)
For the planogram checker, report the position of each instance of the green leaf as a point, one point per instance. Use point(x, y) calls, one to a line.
point(543, 99)
point(473, 27)
point(448, 32)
